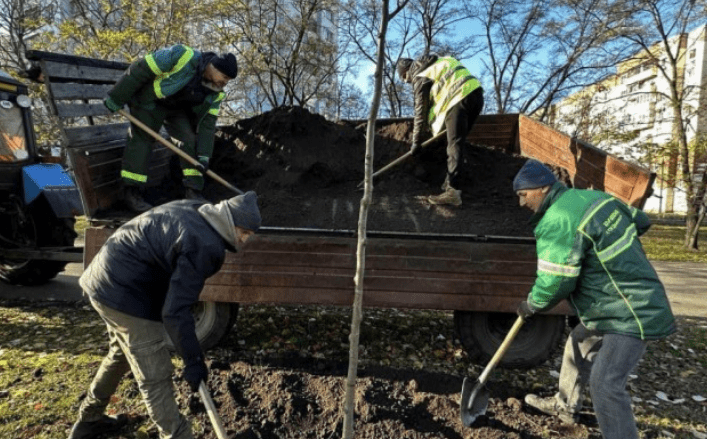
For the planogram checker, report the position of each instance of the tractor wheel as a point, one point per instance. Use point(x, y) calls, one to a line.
point(481, 333)
point(213, 322)
point(33, 227)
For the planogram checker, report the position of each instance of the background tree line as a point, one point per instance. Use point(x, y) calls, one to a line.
point(527, 54)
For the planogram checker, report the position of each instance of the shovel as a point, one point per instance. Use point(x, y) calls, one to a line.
point(475, 400)
point(403, 157)
point(211, 410)
point(178, 151)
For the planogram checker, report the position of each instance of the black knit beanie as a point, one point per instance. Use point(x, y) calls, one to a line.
point(226, 64)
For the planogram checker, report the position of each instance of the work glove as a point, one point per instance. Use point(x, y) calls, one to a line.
point(415, 149)
point(195, 372)
point(111, 104)
point(525, 311)
point(203, 164)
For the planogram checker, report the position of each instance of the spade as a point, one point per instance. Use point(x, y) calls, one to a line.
point(475, 399)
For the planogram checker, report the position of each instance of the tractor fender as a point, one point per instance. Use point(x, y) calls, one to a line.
point(53, 182)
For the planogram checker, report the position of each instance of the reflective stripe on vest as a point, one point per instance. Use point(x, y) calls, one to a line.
point(216, 105)
point(452, 82)
point(161, 76)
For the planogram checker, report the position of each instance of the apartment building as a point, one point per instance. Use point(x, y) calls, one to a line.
point(629, 114)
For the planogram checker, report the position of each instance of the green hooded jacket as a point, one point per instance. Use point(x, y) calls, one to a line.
point(589, 253)
point(163, 74)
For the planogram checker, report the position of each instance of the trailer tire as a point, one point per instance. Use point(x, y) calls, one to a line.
point(213, 321)
point(39, 227)
point(481, 333)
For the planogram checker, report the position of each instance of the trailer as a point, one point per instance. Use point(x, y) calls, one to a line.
point(480, 278)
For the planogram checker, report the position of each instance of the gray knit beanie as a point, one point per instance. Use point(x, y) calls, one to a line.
point(533, 175)
point(244, 211)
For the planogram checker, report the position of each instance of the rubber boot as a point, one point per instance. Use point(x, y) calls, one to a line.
point(134, 201)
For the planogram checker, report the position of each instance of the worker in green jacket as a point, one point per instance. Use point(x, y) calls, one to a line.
point(446, 96)
point(589, 253)
point(182, 89)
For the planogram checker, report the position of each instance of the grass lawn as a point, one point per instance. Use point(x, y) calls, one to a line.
point(664, 243)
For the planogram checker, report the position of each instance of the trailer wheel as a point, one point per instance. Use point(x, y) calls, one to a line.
point(213, 321)
point(481, 333)
point(34, 227)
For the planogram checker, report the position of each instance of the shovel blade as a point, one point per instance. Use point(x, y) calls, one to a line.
point(475, 401)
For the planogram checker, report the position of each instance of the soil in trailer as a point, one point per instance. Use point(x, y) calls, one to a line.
point(306, 171)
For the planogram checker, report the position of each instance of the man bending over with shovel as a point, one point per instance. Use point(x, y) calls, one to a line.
point(182, 89)
point(446, 95)
point(143, 283)
point(589, 253)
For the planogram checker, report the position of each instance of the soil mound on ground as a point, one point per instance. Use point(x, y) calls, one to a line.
point(306, 171)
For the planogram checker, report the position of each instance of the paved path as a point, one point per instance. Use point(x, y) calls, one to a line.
point(685, 282)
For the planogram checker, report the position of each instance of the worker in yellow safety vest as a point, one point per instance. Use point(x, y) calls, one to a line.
point(446, 96)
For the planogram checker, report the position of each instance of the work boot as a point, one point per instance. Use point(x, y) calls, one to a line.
point(450, 196)
point(551, 406)
point(89, 430)
point(193, 194)
point(133, 199)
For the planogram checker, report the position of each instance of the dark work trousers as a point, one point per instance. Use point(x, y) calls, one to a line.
point(458, 122)
point(179, 125)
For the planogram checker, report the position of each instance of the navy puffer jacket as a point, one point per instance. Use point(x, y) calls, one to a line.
point(154, 267)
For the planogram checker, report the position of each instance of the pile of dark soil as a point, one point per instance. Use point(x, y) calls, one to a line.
point(306, 171)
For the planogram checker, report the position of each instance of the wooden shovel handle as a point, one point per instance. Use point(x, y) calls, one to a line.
point(211, 410)
point(501, 349)
point(405, 156)
point(177, 151)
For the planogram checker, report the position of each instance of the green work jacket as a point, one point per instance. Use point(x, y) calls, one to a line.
point(162, 74)
point(589, 253)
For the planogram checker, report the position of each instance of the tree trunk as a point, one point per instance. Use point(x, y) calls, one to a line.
point(357, 312)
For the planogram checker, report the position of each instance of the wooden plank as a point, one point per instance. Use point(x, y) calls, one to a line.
point(63, 71)
point(39, 55)
point(65, 110)
point(85, 135)
point(588, 166)
point(73, 91)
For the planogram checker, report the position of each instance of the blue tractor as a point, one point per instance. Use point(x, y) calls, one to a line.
point(39, 200)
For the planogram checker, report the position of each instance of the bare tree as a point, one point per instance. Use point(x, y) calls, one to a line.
point(361, 21)
point(435, 20)
point(659, 30)
point(540, 50)
point(357, 313)
point(283, 48)
point(20, 21)
point(122, 30)
point(422, 27)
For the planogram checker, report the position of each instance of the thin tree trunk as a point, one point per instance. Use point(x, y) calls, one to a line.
point(357, 314)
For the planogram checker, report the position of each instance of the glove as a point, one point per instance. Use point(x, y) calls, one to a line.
point(415, 149)
point(525, 311)
point(195, 372)
point(111, 104)
point(204, 164)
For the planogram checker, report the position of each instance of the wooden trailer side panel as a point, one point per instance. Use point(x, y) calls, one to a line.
point(93, 137)
point(400, 273)
point(588, 166)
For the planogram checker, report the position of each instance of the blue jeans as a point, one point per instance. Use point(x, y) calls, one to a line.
point(604, 361)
